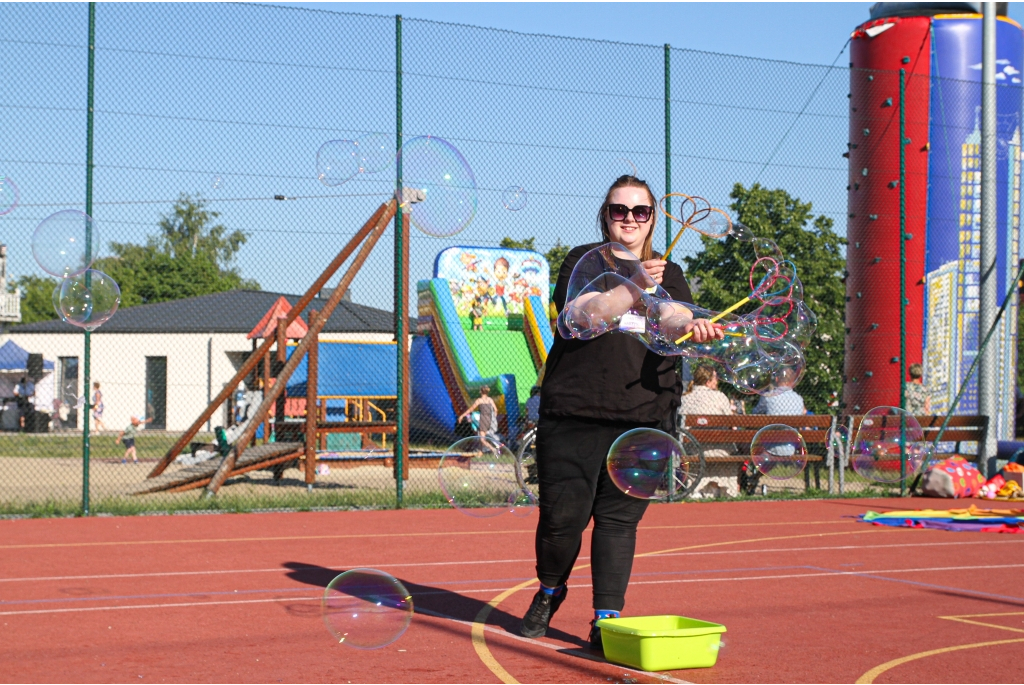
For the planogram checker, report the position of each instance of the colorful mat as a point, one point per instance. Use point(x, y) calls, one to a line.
point(972, 519)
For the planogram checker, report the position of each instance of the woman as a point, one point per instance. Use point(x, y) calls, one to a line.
point(97, 406)
point(704, 397)
point(593, 392)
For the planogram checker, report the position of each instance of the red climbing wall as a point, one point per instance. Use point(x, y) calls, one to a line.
point(873, 224)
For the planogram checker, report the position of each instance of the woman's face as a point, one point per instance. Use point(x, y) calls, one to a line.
point(713, 383)
point(628, 232)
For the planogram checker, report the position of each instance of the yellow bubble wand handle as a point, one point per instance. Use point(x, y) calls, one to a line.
point(718, 316)
point(672, 245)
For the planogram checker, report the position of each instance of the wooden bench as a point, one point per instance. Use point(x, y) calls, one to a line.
point(716, 431)
point(961, 429)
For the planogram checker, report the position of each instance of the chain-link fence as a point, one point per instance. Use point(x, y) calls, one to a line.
point(204, 135)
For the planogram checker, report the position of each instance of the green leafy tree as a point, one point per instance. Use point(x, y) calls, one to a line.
point(555, 256)
point(719, 275)
point(36, 297)
point(192, 255)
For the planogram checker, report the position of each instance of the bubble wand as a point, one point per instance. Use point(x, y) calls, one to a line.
point(766, 282)
point(718, 224)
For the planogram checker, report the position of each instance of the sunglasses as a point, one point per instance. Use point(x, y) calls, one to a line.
point(641, 213)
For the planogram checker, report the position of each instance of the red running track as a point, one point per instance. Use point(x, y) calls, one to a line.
point(807, 595)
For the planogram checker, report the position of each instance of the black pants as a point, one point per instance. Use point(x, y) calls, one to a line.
point(574, 486)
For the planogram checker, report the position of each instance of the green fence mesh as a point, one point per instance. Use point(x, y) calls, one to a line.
point(206, 127)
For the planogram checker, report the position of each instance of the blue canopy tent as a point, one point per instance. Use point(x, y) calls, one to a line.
point(14, 359)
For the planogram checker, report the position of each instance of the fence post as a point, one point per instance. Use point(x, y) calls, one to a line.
point(87, 354)
point(903, 284)
point(668, 142)
point(401, 294)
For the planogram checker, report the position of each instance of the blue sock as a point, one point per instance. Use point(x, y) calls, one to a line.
point(605, 613)
point(553, 591)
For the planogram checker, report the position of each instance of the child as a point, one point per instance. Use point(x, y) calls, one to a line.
point(127, 436)
point(477, 315)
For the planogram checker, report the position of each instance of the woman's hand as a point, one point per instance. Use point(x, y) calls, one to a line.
point(703, 330)
point(655, 268)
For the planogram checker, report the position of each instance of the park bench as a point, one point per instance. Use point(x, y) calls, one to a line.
point(961, 429)
point(717, 432)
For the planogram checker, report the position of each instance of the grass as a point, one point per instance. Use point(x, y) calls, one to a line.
point(194, 502)
point(69, 445)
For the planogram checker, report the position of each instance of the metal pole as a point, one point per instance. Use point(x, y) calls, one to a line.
point(209, 376)
point(668, 143)
point(903, 282)
point(87, 354)
point(401, 296)
point(988, 382)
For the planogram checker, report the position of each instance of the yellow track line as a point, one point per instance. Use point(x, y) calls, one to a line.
point(870, 676)
point(478, 635)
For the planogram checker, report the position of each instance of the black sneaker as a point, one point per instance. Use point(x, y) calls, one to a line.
point(538, 616)
point(595, 637)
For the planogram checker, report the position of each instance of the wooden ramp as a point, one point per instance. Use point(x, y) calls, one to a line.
point(199, 475)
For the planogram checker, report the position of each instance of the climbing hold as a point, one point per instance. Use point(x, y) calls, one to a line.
point(905, 60)
point(868, 374)
point(857, 245)
point(864, 171)
point(887, 102)
point(852, 216)
point(846, 154)
point(867, 131)
point(874, 326)
point(877, 259)
point(858, 295)
point(894, 184)
point(856, 186)
point(894, 360)
point(870, 77)
point(873, 217)
point(908, 236)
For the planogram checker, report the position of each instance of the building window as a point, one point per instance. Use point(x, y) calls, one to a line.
point(156, 392)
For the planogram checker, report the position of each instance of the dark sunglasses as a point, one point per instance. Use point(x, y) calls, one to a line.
point(641, 213)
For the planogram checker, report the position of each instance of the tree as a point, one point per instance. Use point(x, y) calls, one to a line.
point(720, 277)
point(36, 297)
point(555, 256)
point(191, 256)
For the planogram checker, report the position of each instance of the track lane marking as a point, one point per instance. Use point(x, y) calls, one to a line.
point(478, 635)
point(158, 574)
point(531, 531)
point(871, 675)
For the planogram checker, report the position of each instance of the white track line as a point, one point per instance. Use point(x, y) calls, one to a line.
point(786, 576)
point(280, 569)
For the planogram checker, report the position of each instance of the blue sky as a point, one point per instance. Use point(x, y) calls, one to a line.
point(178, 104)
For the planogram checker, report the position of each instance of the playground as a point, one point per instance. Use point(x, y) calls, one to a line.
point(236, 597)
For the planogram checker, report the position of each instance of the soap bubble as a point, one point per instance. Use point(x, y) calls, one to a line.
point(478, 477)
point(55, 297)
point(762, 351)
point(640, 460)
point(89, 299)
point(522, 503)
point(435, 167)
point(875, 453)
point(8, 195)
point(375, 152)
point(778, 452)
point(216, 182)
point(513, 198)
point(337, 161)
point(59, 243)
point(366, 608)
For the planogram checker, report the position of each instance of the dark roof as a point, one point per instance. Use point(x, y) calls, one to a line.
point(235, 311)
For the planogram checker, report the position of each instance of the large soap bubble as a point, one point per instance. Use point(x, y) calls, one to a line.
point(885, 435)
point(609, 290)
point(89, 299)
point(375, 151)
point(366, 608)
point(480, 477)
point(778, 451)
point(641, 460)
point(337, 161)
point(434, 166)
point(61, 243)
point(8, 195)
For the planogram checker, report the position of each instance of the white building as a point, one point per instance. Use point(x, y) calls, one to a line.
point(167, 360)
